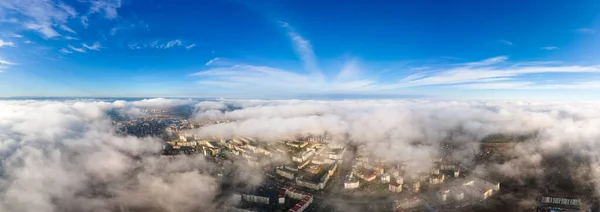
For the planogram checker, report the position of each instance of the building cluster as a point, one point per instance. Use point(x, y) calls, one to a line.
point(287, 198)
point(312, 176)
point(366, 169)
point(561, 200)
point(351, 182)
point(314, 160)
point(471, 188)
point(304, 198)
point(254, 152)
point(395, 187)
point(405, 184)
point(312, 183)
point(246, 203)
point(159, 122)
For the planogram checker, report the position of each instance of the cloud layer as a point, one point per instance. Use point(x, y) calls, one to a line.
point(414, 131)
point(65, 155)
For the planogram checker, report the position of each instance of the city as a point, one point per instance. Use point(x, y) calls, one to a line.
point(299, 106)
point(316, 173)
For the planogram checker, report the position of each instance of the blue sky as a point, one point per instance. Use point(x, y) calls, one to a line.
point(300, 49)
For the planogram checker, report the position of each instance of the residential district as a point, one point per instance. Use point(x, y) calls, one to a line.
point(314, 173)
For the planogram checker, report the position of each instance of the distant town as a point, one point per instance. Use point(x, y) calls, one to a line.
point(315, 173)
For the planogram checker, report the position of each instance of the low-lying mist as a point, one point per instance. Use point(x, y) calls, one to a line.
point(66, 155)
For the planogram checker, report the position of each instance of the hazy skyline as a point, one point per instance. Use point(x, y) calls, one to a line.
point(300, 49)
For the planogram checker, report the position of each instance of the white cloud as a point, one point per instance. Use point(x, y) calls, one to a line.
point(96, 46)
point(84, 21)
point(68, 9)
point(350, 71)
point(211, 61)
point(2, 67)
point(128, 25)
point(491, 73)
point(6, 44)
point(70, 38)
point(107, 7)
point(67, 29)
point(170, 44)
point(46, 16)
point(65, 51)
point(6, 62)
point(159, 44)
point(134, 46)
point(8, 20)
point(549, 48)
point(16, 36)
point(80, 50)
point(268, 80)
point(575, 85)
point(161, 103)
point(559, 130)
point(66, 156)
point(489, 61)
point(496, 85)
point(303, 50)
point(46, 30)
point(40, 15)
point(506, 42)
point(586, 31)
point(485, 70)
point(114, 30)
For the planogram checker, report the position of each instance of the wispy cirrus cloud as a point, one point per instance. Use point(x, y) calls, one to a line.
point(487, 62)
point(212, 61)
point(67, 29)
point(495, 85)
point(492, 73)
point(549, 48)
point(40, 15)
point(4, 43)
point(263, 79)
point(190, 46)
point(51, 18)
point(5, 64)
point(579, 85)
point(83, 49)
point(77, 49)
point(491, 70)
point(170, 44)
point(96, 46)
point(506, 42)
point(303, 49)
point(129, 25)
point(586, 31)
point(106, 7)
point(65, 51)
point(160, 44)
